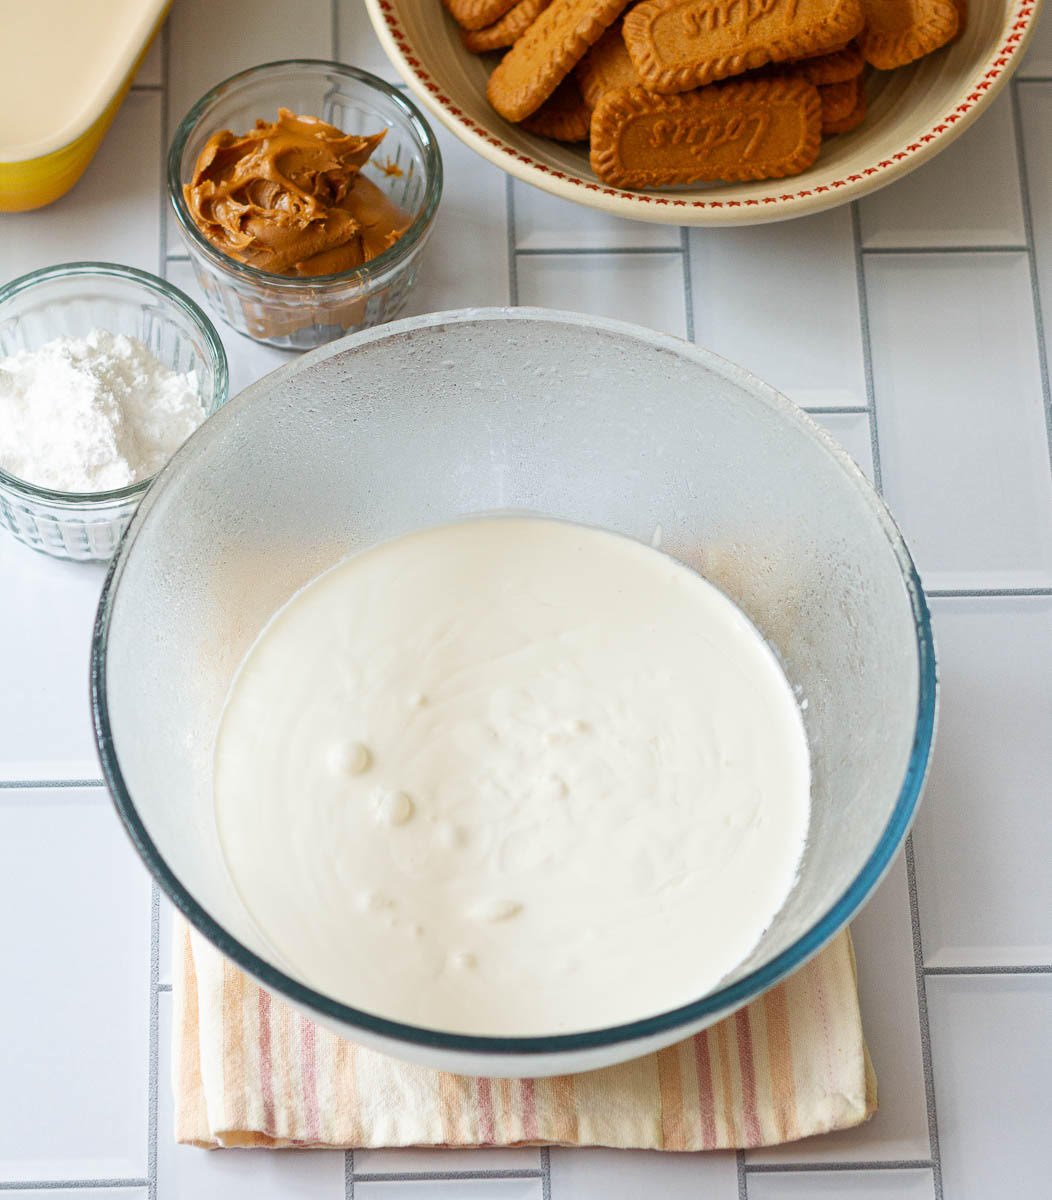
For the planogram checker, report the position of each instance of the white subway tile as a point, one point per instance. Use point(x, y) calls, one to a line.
point(782, 300)
point(185, 1172)
point(966, 196)
point(450, 1189)
point(851, 430)
point(990, 1059)
point(633, 1174)
point(166, 942)
point(982, 840)
point(77, 1193)
point(209, 42)
point(150, 72)
point(960, 416)
point(75, 1005)
point(434, 1162)
point(113, 214)
point(843, 1185)
point(883, 938)
point(1035, 105)
point(47, 610)
point(466, 259)
point(357, 44)
point(641, 288)
point(547, 222)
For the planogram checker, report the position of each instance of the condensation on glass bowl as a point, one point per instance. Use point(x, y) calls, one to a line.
point(914, 112)
point(575, 417)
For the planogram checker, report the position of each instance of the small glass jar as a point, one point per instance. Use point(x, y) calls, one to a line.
point(300, 312)
point(70, 301)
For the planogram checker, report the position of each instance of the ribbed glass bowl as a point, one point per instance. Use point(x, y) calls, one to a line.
point(569, 416)
point(295, 312)
point(70, 301)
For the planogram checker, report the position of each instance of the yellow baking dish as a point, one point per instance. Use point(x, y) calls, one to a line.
point(65, 67)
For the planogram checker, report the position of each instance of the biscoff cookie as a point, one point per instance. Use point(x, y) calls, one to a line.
point(677, 45)
point(606, 66)
point(899, 31)
point(506, 31)
point(750, 129)
point(837, 67)
point(838, 101)
point(854, 118)
point(477, 14)
point(564, 116)
point(962, 19)
point(546, 53)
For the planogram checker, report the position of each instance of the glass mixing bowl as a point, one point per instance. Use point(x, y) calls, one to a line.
point(570, 416)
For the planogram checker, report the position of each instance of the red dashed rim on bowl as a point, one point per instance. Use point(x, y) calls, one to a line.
point(990, 75)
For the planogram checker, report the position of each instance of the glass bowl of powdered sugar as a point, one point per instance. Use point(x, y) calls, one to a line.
point(104, 373)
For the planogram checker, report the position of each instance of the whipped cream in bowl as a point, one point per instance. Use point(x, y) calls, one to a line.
point(512, 775)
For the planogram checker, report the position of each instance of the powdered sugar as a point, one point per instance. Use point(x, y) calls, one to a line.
point(93, 413)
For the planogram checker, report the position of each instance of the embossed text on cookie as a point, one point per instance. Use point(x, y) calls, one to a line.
point(706, 135)
point(710, 15)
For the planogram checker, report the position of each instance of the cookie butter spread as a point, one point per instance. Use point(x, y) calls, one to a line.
point(289, 197)
point(511, 776)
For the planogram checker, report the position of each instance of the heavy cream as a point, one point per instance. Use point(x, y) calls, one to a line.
point(512, 776)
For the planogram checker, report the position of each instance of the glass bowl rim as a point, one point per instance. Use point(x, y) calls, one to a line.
point(167, 292)
point(715, 1004)
point(391, 257)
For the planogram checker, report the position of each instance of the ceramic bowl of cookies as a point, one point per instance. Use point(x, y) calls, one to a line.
point(706, 112)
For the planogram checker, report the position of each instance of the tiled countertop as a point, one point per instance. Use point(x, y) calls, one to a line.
point(911, 325)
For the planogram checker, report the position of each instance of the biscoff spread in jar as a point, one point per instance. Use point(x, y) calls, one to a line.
point(288, 197)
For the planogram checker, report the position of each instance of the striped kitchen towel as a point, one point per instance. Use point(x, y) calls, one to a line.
point(251, 1071)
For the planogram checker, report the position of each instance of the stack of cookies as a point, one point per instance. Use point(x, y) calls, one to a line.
point(678, 91)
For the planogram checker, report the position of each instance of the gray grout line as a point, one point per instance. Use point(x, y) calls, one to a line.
point(146, 87)
point(41, 784)
point(743, 1179)
point(509, 216)
point(867, 348)
point(546, 1173)
point(1025, 79)
point(1035, 283)
point(1028, 969)
point(922, 1013)
point(900, 1164)
point(688, 290)
point(832, 410)
point(438, 1176)
point(334, 30)
point(348, 1175)
point(880, 250)
point(51, 1185)
point(560, 251)
point(155, 1041)
point(164, 987)
point(977, 593)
